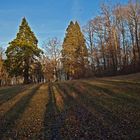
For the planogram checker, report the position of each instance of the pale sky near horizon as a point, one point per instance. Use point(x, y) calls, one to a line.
point(47, 18)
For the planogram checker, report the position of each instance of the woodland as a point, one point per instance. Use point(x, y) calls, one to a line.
point(84, 87)
point(109, 44)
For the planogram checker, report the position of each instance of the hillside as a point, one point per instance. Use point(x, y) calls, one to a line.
point(101, 108)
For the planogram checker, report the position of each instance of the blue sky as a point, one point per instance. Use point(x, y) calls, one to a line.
point(47, 18)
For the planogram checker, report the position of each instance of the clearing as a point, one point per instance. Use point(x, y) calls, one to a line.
point(102, 108)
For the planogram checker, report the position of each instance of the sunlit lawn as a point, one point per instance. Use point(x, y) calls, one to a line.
point(107, 108)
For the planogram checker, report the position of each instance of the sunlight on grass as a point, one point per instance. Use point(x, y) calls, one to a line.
point(79, 108)
point(11, 117)
point(31, 122)
point(10, 103)
point(58, 98)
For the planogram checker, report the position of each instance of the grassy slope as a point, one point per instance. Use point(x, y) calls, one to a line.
point(106, 108)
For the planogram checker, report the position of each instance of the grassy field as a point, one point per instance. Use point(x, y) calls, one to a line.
point(104, 109)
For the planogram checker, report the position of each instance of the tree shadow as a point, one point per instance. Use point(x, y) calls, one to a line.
point(51, 121)
point(8, 121)
point(127, 86)
point(7, 94)
point(118, 96)
point(104, 123)
point(119, 82)
point(84, 124)
point(84, 116)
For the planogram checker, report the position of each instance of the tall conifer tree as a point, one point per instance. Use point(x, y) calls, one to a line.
point(74, 52)
point(22, 52)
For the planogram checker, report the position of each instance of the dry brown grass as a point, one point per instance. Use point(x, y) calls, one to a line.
point(106, 108)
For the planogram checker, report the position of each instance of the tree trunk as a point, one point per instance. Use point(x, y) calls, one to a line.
point(136, 39)
point(26, 73)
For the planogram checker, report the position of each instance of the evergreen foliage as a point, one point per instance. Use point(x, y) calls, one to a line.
point(22, 53)
point(74, 52)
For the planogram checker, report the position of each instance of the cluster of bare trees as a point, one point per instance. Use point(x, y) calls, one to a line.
point(51, 60)
point(113, 40)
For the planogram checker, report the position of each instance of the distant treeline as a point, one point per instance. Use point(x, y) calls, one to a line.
point(109, 44)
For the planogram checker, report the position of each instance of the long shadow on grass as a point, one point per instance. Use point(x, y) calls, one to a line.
point(7, 94)
point(8, 121)
point(92, 101)
point(118, 82)
point(128, 86)
point(118, 96)
point(51, 124)
point(86, 124)
point(116, 125)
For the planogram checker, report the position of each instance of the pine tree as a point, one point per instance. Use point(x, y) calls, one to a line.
point(74, 52)
point(22, 53)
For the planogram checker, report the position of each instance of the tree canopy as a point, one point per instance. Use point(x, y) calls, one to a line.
point(74, 51)
point(22, 53)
